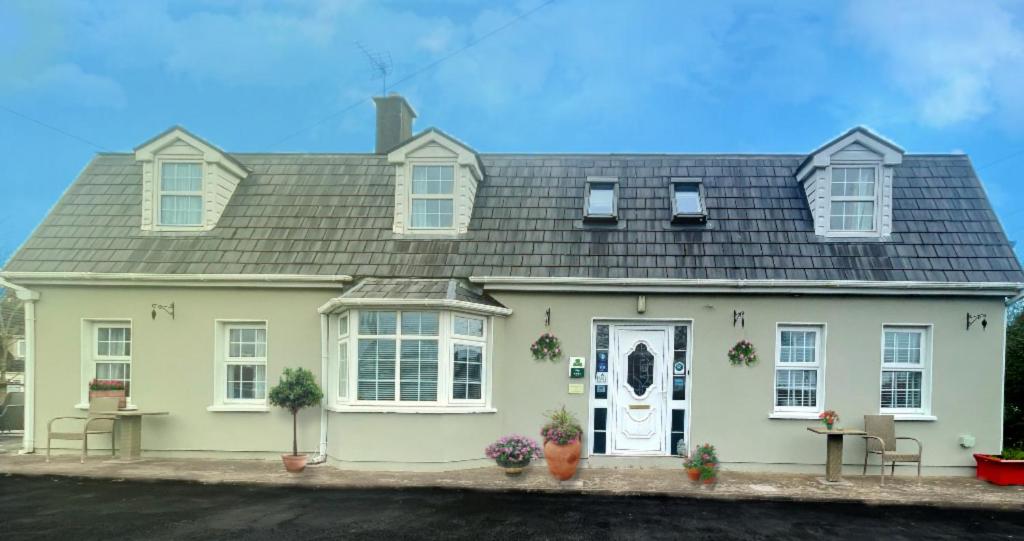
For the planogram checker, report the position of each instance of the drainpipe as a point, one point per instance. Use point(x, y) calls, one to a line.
point(29, 298)
point(324, 356)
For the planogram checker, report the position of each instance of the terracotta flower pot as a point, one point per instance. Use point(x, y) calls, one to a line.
point(119, 394)
point(294, 463)
point(693, 474)
point(562, 459)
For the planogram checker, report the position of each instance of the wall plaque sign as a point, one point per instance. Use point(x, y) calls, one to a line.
point(575, 388)
point(576, 365)
point(601, 378)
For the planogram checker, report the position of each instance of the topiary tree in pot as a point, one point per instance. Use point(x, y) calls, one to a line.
point(296, 390)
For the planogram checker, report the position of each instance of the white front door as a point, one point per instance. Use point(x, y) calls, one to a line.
point(639, 391)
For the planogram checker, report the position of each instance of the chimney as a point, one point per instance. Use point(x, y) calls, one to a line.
point(394, 122)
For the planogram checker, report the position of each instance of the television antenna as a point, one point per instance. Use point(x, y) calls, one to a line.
point(380, 63)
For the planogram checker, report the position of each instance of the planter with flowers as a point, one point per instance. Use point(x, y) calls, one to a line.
point(108, 388)
point(562, 435)
point(703, 464)
point(546, 348)
point(513, 453)
point(829, 418)
point(743, 353)
point(1003, 469)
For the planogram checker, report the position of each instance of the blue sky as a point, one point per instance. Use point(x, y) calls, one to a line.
point(575, 75)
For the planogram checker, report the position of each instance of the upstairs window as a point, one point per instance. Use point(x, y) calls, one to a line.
point(601, 199)
point(433, 200)
point(853, 200)
point(688, 200)
point(181, 194)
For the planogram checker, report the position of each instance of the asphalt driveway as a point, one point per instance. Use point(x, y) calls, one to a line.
point(63, 508)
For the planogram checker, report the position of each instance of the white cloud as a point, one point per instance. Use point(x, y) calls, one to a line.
point(955, 62)
point(70, 84)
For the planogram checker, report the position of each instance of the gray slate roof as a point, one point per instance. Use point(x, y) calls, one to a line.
point(331, 214)
point(418, 288)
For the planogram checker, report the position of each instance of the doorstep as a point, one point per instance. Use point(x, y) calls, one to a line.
point(960, 492)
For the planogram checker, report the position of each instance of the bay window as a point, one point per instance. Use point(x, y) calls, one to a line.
point(411, 358)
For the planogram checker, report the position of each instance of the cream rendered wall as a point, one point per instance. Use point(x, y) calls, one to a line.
point(730, 405)
point(172, 362)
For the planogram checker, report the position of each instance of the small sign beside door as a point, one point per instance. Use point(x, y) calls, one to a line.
point(601, 378)
point(576, 365)
point(575, 388)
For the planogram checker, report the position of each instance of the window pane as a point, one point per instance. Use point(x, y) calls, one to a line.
point(469, 326)
point(433, 179)
point(853, 215)
point(798, 347)
point(602, 337)
point(602, 199)
point(246, 381)
point(343, 370)
point(854, 182)
point(419, 370)
point(247, 342)
point(420, 323)
point(181, 177)
point(116, 371)
point(343, 325)
point(432, 213)
point(687, 199)
point(376, 369)
point(373, 322)
point(902, 347)
point(181, 210)
point(467, 372)
point(901, 389)
point(796, 388)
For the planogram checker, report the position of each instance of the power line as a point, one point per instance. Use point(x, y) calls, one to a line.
point(420, 71)
point(54, 128)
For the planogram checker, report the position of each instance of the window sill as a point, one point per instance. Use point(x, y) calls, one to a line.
point(405, 409)
point(912, 417)
point(241, 408)
point(85, 407)
point(794, 415)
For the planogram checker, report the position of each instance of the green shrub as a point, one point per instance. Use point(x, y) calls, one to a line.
point(297, 389)
point(1012, 454)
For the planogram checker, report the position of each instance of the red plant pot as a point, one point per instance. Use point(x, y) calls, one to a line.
point(998, 471)
point(693, 474)
point(562, 459)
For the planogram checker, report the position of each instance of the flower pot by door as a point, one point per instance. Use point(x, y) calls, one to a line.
point(562, 459)
point(693, 474)
point(119, 395)
point(294, 463)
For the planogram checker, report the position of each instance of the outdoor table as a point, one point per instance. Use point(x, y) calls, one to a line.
point(129, 431)
point(834, 442)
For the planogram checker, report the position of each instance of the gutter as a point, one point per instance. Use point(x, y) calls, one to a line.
point(447, 304)
point(321, 456)
point(29, 298)
point(795, 287)
point(170, 280)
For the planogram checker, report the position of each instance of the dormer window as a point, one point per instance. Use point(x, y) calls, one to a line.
point(852, 199)
point(432, 198)
point(601, 199)
point(688, 200)
point(181, 194)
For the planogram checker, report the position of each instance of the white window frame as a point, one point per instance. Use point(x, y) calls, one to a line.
point(925, 330)
point(222, 337)
point(876, 199)
point(591, 181)
point(412, 196)
point(818, 365)
point(159, 193)
point(684, 216)
point(19, 348)
point(91, 356)
point(446, 338)
point(342, 382)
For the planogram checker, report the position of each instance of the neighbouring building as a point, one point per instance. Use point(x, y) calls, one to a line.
point(12, 342)
point(413, 279)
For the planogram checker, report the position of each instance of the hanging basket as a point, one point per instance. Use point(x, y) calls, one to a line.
point(743, 353)
point(546, 348)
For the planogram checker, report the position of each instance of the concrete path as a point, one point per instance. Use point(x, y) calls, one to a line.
point(960, 492)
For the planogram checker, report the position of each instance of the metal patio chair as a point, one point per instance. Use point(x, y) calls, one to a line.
point(94, 424)
point(881, 440)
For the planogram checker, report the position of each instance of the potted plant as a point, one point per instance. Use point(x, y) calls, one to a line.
point(829, 417)
point(108, 388)
point(703, 464)
point(513, 453)
point(297, 389)
point(1003, 469)
point(562, 436)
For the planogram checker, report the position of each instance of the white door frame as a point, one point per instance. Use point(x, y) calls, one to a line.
point(663, 323)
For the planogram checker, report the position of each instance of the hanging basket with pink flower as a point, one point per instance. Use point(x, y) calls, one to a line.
point(743, 353)
point(546, 348)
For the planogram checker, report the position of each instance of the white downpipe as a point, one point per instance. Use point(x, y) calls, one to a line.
point(321, 457)
point(29, 297)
